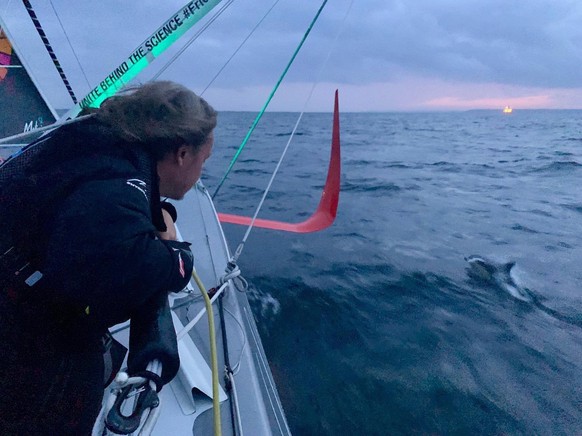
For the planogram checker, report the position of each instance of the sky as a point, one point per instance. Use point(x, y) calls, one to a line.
point(382, 55)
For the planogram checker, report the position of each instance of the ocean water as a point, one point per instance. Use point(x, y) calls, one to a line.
point(374, 326)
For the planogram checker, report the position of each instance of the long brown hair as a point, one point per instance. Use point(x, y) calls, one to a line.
point(160, 116)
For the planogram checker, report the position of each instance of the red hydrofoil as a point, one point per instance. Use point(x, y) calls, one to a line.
point(326, 211)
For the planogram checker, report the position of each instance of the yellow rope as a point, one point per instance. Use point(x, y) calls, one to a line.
point(213, 355)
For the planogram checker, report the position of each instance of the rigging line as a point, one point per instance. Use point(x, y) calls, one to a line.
point(6, 9)
point(239, 47)
point(49, 48)
point(191, 40)
point(70, 45)
point(237, 366)
point(264, 108)
point(291, 136)
point(227, 367)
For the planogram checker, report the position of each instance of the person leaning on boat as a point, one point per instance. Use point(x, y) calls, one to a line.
point(86, 214)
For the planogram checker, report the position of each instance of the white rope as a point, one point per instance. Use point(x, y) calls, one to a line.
point(197, 318)
point(315, 83)
point(123, 380)
point(71, 45)
point(235, 369)
point(236, 404)
point(239, 47)
point(6, 8)
point(191, 40)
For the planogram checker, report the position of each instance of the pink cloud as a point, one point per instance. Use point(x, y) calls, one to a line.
point(524, 102)
point(420, 94)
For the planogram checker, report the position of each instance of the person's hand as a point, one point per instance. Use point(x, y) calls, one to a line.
point(170, 233)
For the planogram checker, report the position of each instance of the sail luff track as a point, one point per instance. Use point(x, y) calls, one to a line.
point(49, 48)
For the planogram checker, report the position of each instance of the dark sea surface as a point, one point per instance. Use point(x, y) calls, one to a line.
point(374, 326)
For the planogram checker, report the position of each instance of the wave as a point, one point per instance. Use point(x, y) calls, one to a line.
point(370, 186)
point(574, 207)
point(556, 167)
point(251, 160)
point(251, 171)
point(446, 167)
point(378, 164)
point(289, 134)
point(523, 229)
point(543, 213)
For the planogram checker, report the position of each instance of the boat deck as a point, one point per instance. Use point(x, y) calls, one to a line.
point(186, 403)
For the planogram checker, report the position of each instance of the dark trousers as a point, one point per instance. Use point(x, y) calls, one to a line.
point(56, 395)
point(51, 377)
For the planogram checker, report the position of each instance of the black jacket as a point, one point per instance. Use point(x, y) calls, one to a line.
point(83, 208)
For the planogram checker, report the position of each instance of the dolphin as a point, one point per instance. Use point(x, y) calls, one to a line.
point(498, 274)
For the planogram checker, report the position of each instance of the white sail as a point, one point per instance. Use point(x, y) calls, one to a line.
point(23, 107)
